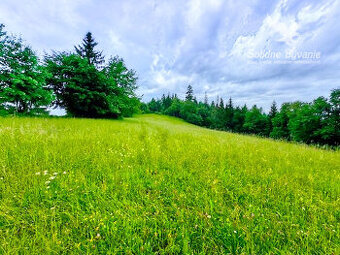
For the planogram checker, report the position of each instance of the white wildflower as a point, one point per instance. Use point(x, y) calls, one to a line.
point(37, 173)
point(52, 177)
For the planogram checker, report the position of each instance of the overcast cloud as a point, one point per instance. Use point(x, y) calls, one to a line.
point(202, 42)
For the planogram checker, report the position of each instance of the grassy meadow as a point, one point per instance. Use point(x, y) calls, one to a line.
point(157, 185)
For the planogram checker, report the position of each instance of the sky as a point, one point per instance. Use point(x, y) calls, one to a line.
point(254, 51)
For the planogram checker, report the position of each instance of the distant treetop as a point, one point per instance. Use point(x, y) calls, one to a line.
point(86, 50)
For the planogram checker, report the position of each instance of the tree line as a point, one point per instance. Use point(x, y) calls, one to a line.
point(316, 122)
point(79, 81)
point(85, 85)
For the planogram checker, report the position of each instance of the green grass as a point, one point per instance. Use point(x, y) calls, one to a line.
point(154, 184)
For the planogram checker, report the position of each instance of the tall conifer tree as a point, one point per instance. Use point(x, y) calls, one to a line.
point(86, 50)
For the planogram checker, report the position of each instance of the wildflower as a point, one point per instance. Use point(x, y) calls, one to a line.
point(55, 173)
point(52, 208)
point(45, 172)
point(98, 235)
point(47, 187)
point(235, 231)
point(37, 173)
point(52, 177)
point(47, 182)
point(64, 172)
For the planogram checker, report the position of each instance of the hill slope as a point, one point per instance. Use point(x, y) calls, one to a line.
point(156, 184)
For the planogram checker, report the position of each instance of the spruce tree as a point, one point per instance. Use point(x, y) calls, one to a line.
point(272, 113)
point(221, 103)
point(86, 50)
point(189, 94)
point(230, 103)
point(229, 114)
point(273, 110)
point(205, 98)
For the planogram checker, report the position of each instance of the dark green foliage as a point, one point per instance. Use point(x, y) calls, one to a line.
point(22, 79)
point(124, 81)
point(80, 88)
point(123, 77)
point(85, 91)
point(166, 101)
point(174, 109)
point(204, 111)
point(331, 130)
point(189, 112)
point(86, 50)
point(303, 124)
point(155, 105)
point(80, 82)
point(280, 123)
point(238, 118)
point(144, 108)
point(229, 115)
point(221, 106)
point(189, 95)
point(317, 122)
point(256, 122)
point(272, 113)
point(273, 110)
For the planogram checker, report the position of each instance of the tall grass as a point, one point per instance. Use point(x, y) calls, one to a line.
point(154, 184)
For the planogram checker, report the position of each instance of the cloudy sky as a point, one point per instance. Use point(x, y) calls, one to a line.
point(222, 47)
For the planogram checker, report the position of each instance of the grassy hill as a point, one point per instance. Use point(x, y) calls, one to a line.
point(156, 184)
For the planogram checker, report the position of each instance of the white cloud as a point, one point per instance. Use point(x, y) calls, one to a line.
point(172, 43)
